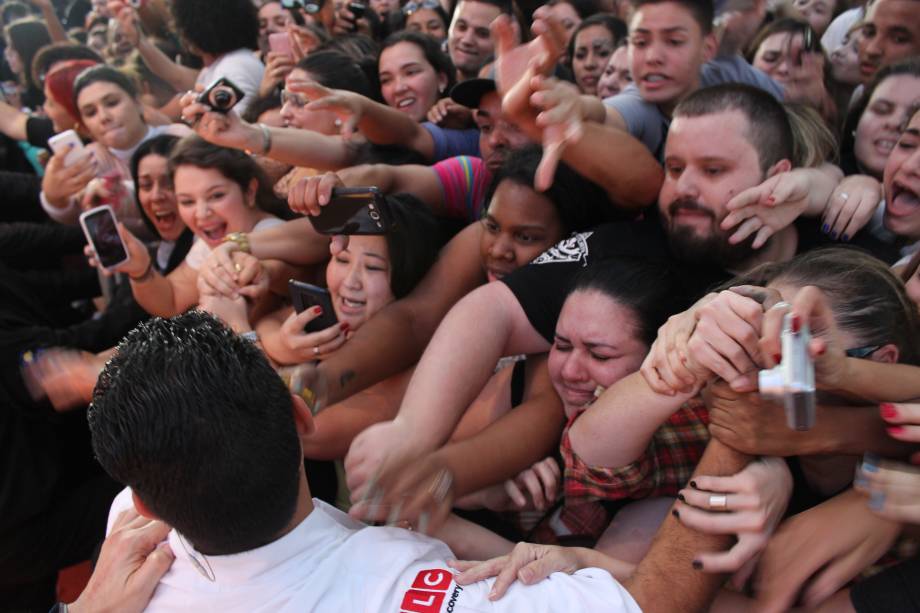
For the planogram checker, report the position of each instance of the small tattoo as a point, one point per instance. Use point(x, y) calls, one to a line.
point(346, 377)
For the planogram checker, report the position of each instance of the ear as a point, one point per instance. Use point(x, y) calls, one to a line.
point(887, 354)
point(252, 191)
point(142, 509)
point(442, 84)
point(303, 418)
point(710, 47)
point(780, 166)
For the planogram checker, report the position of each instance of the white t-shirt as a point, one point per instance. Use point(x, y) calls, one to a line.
point(200, 249)
point(243, 68)
point(330, 562)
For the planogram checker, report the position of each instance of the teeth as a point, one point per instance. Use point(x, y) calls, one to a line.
point(351, 303)
point(885, 145)
point(654, 78)
point(405, 103)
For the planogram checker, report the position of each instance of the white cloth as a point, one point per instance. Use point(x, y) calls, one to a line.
point(243, 68)
point(330, 562)
point(837, 30)
point(200, 249)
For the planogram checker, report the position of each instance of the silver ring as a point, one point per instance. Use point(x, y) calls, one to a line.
point(441, 485)
point(844, 195)
point(718, 501)
point(782, 304)
point(316, 351)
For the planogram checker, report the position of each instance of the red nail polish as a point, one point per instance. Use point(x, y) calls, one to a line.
point(777, 358)
point(345, 326)
point(796, 324)
point(887, 410)
point(896, 430)
point(821, 350)
point(318, 310)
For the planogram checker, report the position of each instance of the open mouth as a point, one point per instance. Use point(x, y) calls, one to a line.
point(405, 103)
point(351, 306)
point(884, 145)
point(903, 201)
point(494, 274)
point(867, 68)
point(164, 219)
point(213, 234)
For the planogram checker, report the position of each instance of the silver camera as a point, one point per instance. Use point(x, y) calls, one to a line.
point(792, 381)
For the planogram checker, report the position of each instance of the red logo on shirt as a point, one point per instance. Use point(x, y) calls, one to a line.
point(427, 592)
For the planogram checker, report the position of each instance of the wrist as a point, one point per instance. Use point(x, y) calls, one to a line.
point(144, 275)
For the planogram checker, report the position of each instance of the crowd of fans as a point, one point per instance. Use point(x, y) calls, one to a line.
point(606, 220)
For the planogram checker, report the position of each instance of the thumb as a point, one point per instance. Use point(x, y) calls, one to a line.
point(312, 89)
point(146, 578)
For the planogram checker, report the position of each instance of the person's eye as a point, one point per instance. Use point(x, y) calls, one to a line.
point(907, 144)
point(600, 358)
point(674, 169)
point(526, 238)
point(868, 31)
point(627, 77)
point(639, 43)
point(385, 80)
point(563, 347)
point(901, 39)
point(483, 33)
point(185, 202)
point(485, 129)
point(676, 42)
point(341, 259)
point(604, 53)
point(770, 57)
point(714, 171)
point(217, 196)
point(580, 54)
point(490, 226)
point(375, 268)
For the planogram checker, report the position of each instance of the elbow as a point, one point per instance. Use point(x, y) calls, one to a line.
point(643, 188)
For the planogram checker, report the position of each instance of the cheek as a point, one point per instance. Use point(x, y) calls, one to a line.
point(187, 215)
point(913, 289)
point(554, 367)
point(378, 290)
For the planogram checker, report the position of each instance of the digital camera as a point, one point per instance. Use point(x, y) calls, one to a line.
point(792, 381)
point(221, 96)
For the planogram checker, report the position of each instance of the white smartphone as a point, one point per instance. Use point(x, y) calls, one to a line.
point(68, 145)
point(101, 231)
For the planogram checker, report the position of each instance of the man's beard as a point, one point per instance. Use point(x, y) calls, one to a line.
point(687, 244)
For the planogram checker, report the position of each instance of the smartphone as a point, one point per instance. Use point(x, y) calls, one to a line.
point(305, 296)
point(102, 233)
point(222, 95)
point(357, 9)
point(353, 210)
point(69, 145)
point(280, 42)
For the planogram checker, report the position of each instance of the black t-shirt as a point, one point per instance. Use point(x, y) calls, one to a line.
point(38, 131)
point(541, 286)
point(894, 590)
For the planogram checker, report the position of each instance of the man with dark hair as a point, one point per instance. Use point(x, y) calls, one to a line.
point(890, 32)
point(469, 41)
point(194, 419)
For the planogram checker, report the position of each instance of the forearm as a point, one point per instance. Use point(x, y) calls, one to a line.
point(55, 28)
point(880, 381)
point(619, 163)
point(12, 121)
point(384, 125)
point(304, 148)
point(632, 410)
point(851, 430)
point(525, 435)
point(180, 77)
point(294, 242)
point(670, 560)
point(279, 273)
point(157, 296)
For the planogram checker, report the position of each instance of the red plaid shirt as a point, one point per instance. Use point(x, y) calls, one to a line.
point(663, 468)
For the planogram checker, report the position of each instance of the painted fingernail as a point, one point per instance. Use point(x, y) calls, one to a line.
point(675, 513)
point(876, 501)
point(887, 410)
point(777, 358)
point(870, 463)
point(796, 324)
point(896, 430)
point(318, 310)
point(845, 237)
point(681, 498)
point(697, 565)
point(825, 228)
point(834, 235)
point(344, 326)
point(821, 351)
point(693, 484)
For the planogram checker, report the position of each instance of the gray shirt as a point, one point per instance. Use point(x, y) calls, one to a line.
point(645, 121)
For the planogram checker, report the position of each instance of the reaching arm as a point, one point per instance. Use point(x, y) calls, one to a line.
point(180, 77)
point(396, 336)
point(167, 296)
point(524, 435)
point(420, 181)
point(12, 121)
point(669, 562)
point(631, 409)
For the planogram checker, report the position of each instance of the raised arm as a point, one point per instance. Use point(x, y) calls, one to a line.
point(12, 121)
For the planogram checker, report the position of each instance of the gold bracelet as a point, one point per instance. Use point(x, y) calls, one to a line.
point(241, 239)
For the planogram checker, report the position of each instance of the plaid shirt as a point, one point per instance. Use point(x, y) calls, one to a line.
point(663, 468)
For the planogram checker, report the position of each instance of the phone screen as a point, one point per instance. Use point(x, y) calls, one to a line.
point(353, 210)
point(103, 233)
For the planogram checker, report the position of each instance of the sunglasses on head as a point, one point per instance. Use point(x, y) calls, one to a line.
point(413, 6)
point(311, 7)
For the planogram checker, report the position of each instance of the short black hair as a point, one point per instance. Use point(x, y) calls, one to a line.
point(49, 55)
point(14, 10)
point(649, 288)
point(580, 204)
point(703, 11)
point(769, 130)
point(505, 6)
point(217, 27)
point(196, 421)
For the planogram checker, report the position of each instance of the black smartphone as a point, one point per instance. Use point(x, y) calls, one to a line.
point(305, 296)
point(102, 233)
point(222, 95)
point(357, 9)
point(353, 210)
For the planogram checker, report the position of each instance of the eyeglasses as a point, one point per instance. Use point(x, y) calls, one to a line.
point(413, 6)
point(862, 352)
point(294, 98)
point(311, 7)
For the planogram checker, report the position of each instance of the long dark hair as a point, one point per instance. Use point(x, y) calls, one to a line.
point(27, 36)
